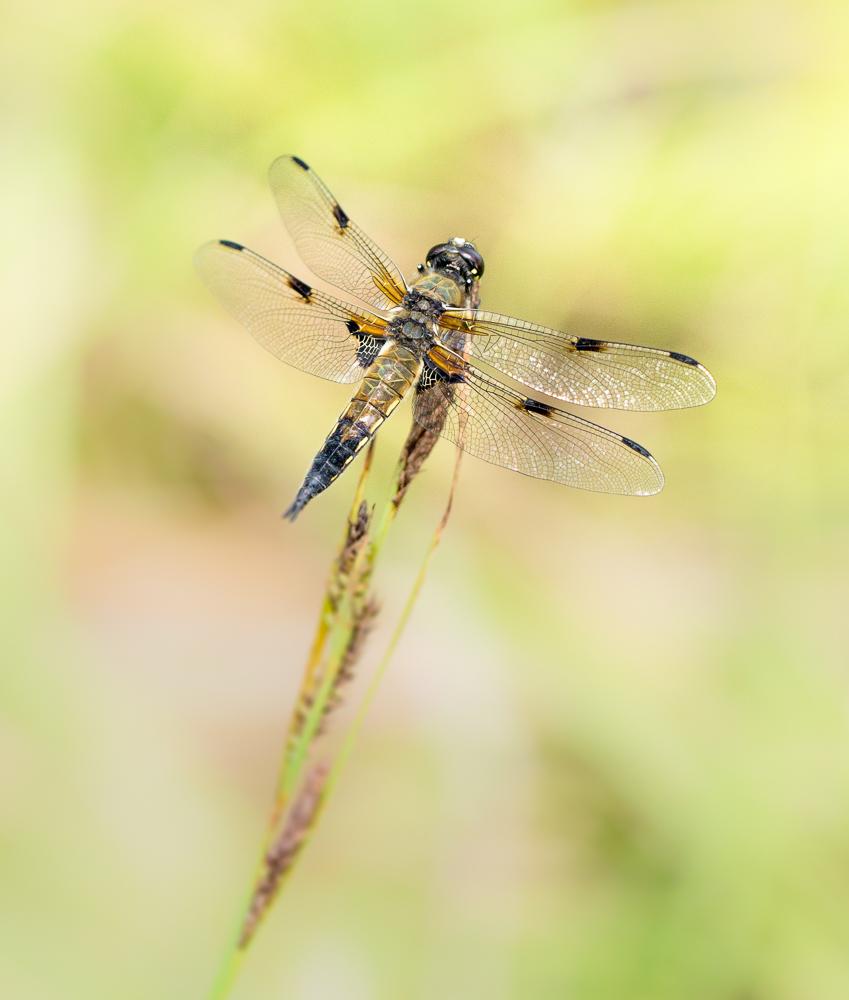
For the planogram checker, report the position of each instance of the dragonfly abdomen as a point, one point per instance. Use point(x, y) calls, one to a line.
point(386, 382)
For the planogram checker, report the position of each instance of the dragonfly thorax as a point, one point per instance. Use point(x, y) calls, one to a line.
point(447, 289)
point(422, 306)
point(414, 322)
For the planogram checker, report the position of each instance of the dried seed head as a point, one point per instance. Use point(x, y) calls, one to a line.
point(361, 627)
point(281, 854)
point(419, 444)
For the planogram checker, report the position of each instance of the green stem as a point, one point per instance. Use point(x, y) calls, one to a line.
point(334, 625)
point(356, 726)
point(298, 754)
point(379, 673)
point(327, 627)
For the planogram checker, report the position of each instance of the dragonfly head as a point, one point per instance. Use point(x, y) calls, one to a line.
point(458, 259)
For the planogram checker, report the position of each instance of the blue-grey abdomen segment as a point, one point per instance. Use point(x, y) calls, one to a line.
point(386, 381)
point(342, 444)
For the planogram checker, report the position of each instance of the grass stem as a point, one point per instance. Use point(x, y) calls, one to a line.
point(346, 615)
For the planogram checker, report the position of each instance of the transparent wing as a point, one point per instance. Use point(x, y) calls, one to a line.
point(298, 324)
point(330, 244)
point(581, 370)
point(501, 426)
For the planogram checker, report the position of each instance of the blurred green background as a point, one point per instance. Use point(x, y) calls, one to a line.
point(611, 759)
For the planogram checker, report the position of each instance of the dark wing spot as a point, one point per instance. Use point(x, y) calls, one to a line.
point(638, 448)
point(231, 244)
point(683, 359)
point(353, 326)
point(301, 287)
point(300, 162)
point(340, 216)
point(535, 406)
point(368, 348)
point(586, 344)
point(432, 373)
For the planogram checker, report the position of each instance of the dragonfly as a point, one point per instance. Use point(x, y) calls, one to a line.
point(476, 377)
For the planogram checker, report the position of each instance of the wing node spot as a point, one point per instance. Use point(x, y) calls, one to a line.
point(586, 344)
point(301, 287)
point(534, 406)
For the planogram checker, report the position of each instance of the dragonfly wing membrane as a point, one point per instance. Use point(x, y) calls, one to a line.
point(330, 243)
point(301, 325)
point(582, 370)
point(492, 422)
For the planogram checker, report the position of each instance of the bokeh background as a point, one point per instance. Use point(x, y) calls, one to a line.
point(611, 759)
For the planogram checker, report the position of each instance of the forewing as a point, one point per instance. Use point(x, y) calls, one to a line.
point(580, 370)
point(298, 324)
point(329, 242)
point(495, 423)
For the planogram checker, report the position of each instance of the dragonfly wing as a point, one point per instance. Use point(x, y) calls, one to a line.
point(302, 326)
point(329, 242)
point(495, 423)
point(581, 370)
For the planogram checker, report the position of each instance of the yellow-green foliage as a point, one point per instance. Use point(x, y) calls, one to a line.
point(611, 760)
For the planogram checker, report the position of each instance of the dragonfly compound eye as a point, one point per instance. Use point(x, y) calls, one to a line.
point(457, 257)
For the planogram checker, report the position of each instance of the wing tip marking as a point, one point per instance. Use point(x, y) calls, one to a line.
point(638, 448)
point(231, 245)
point(685, 359)
point(297, 160)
